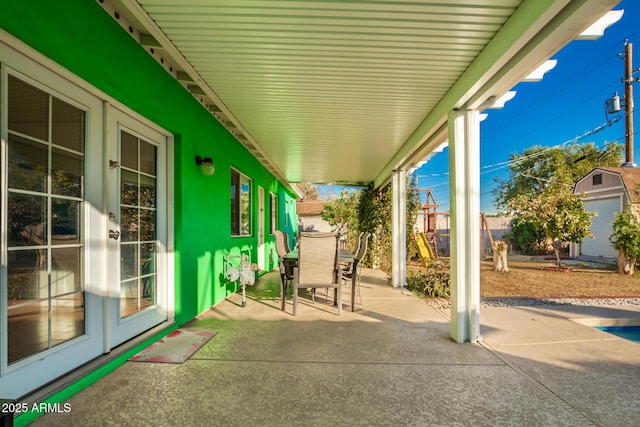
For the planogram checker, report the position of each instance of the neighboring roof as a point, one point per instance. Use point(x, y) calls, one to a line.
point(309, 207)
point(630, 178)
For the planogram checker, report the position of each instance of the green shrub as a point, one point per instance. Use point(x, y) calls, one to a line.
point(524, 236)
point(430, 282)
point(626, 238)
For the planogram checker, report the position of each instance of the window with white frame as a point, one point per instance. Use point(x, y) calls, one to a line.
point(273, 200)
point(240, 204)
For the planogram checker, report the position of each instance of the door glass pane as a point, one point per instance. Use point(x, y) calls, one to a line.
point(67, 128)
point(27, 164)
point(65, 221)
point(27, 276)
point(148, 291)
point(147, 158)
point(27, 303)
point(28, 109)
point(128, 188)
point(128, 261)
point(66, 173)
point(148, 258)
point(147, 191)
point(27, 218)
point(129, 301)
point(129, 224)
point(27, 330)
point(67, 317)
point(147, 225)
point(148, 274)
point(65, 271)
point(128, 150)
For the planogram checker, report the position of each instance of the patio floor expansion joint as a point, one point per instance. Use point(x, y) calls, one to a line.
point(333, 362)
point(562, 403)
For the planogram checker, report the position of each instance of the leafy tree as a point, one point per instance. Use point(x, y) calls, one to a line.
point(539, 171)
point(626, 239)
point(309, 191)
point(342, 212)
point(557, 214)
point(537, 167)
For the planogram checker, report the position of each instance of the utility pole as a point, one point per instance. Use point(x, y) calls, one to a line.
point(628, 103)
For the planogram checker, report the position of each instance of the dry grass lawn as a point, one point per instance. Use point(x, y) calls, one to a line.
point(530, 279)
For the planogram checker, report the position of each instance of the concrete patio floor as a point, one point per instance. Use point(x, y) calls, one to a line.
point(391, 362)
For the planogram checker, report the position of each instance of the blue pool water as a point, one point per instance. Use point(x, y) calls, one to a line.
point(631, 333)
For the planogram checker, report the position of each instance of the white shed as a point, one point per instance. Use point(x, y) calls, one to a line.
point(607, 191)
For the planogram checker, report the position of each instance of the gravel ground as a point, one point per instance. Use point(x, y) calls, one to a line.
point(528, 302)
point(505, 302)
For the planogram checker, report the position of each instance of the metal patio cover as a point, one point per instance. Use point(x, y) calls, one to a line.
point(347, 91)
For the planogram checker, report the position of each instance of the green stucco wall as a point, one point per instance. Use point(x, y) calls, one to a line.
point(80, 36)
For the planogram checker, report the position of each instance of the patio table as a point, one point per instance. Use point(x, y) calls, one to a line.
point(345, 256)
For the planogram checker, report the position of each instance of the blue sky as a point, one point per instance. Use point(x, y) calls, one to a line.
point(567, 103)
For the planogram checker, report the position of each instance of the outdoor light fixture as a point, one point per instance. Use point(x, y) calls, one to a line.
point(206, 165)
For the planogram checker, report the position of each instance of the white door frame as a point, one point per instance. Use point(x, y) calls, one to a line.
point(118, 330)
point(31, 372)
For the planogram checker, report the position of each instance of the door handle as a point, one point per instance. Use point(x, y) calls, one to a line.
point(114, 234)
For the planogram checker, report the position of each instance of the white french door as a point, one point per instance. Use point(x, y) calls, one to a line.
point(50, 290)
point(137, 227)
point(84, 231)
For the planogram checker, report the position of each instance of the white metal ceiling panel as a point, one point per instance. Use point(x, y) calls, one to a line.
point(326, 79)
point(347, 91)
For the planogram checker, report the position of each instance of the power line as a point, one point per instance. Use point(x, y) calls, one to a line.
point(544, 124)
point(507, 163)
point(570, 81)
point(564, 85)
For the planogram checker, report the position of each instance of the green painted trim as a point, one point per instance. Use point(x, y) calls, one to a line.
point(60, 397)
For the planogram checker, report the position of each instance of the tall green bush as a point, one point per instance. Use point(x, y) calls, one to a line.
point(369, 209)
point(626, 239)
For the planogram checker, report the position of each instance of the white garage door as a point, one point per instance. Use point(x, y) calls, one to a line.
point(601, 227)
